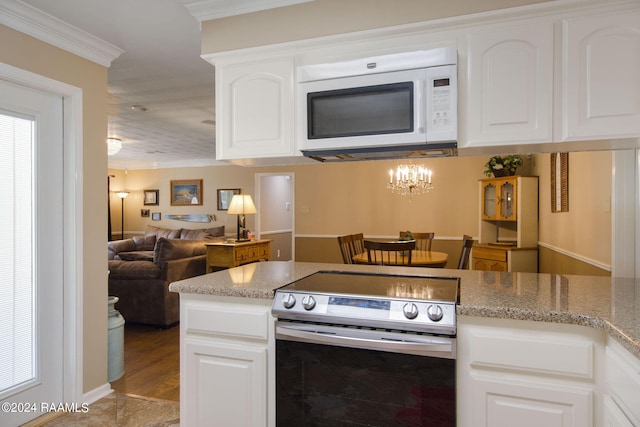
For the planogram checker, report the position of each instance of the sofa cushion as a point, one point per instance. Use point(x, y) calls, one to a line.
point(202, 233)
point(133, 270)
point(168, 249)
point(135, 256)
point(146, 243)
point(162, 232)
point(187, 234)
point(118, 246)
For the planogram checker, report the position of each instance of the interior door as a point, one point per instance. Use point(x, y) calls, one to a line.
point(31, 265)
point(275, 218)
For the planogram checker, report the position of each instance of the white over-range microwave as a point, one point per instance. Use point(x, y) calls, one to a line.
point(379, 104)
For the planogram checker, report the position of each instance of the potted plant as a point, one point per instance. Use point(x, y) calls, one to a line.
point(502, 165)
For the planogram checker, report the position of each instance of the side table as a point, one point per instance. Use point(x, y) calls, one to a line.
point(232, 254)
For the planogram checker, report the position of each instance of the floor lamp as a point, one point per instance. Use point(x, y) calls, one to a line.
point(123, 195)
point(241, 204)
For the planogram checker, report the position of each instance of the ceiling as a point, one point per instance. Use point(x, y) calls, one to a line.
point(161, 93)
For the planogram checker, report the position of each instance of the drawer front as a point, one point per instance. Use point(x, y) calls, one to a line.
point(237, 320)
point(493, 254)
point(242, 255)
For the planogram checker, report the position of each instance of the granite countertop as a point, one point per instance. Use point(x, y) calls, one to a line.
point(606, 303)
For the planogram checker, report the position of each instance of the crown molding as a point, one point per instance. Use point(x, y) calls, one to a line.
point(49, 29)
point(205, 10)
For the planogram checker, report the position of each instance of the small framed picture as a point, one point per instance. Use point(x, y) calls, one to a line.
point(156, 216)
point(144, 213)
point(224, 197)
point(186, 192)
point(151, 197)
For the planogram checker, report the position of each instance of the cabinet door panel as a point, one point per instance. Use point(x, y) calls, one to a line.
point(506, 404)
point(228, 383)
point(254, 109)
point(600, 79)
point(510, 85)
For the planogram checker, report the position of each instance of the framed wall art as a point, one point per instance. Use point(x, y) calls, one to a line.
point(186, 192)
point(224, 197)
point(559, 182)
point(144, 213)
point(151, 197)
point(156, 216)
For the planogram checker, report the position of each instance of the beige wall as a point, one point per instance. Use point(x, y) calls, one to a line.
point(586, 229)
point(328, 17)
point(22, 51)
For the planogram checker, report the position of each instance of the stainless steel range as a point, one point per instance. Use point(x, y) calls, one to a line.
point(368, 349)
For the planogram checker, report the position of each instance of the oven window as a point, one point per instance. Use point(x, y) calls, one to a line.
point(322, 385)
point(369, 110)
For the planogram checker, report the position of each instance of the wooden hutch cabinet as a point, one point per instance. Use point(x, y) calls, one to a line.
point(508, 239)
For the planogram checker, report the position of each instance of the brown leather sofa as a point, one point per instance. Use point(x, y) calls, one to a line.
point(140, 274)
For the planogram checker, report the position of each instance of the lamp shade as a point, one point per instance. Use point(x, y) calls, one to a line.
point(241, 204)
point(122, 194)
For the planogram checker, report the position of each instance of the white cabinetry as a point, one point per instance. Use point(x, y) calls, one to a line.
point(255, 110)
point(513, 372)
point(510, 90)
point(622, 397)
point(600, 79)
point(226, 361)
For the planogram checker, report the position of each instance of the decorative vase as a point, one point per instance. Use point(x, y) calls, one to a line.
point(115, 346)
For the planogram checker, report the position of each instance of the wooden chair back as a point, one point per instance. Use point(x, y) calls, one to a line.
point(467, 243)
point(423, 240)
point(358, 243)
point(346, 248)
point(389, 253)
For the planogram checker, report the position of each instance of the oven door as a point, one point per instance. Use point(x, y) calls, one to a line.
point(336, 376)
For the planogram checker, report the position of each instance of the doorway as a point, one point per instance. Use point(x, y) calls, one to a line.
point(275, 218)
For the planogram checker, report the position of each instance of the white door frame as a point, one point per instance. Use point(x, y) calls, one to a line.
point(73, 226)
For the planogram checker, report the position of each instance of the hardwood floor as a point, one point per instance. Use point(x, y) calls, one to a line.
point(151, 363)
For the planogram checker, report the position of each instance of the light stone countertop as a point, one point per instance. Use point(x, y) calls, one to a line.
point(610, 304)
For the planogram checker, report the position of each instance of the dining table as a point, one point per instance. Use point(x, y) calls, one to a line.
point(418, 259)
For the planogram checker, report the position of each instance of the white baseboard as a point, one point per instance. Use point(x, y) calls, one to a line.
point(97, 393)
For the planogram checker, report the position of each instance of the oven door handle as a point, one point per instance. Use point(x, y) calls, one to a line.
point(441, 347)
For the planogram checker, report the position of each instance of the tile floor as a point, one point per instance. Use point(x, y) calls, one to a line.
point(122, 411)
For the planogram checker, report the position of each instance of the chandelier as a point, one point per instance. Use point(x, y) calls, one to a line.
point(113, 145)
point(410, 179)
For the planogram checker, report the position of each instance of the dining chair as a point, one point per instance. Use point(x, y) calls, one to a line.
point(346, 248)
point(389, 253)
point(357, 242)
point(423, 240)
point(467, 243)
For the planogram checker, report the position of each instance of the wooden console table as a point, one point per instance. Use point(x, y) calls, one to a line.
point(232, 254)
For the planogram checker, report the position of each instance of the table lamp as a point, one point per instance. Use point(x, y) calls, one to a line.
point(241, 204)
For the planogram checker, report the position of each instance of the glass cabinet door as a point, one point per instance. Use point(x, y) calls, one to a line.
point(489, 201)
point(508, 200)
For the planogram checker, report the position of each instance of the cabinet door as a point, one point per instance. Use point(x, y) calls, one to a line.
point(499, 403)
point(601, 88)
point(510, 85)
point(254, 109)
point(225, 385)
point(499, 199)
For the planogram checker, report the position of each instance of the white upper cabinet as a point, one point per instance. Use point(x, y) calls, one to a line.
point(255, 110)
point(509, 81)
point(601, 76)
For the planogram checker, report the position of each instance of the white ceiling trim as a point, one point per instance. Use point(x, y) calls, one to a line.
point(49, 29)
point(205, 10)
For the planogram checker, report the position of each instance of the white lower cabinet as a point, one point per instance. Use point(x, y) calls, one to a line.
point(226, 362)
point(622, 395)
point(524, 373)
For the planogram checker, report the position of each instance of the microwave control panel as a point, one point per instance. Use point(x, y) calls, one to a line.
point(442, 93)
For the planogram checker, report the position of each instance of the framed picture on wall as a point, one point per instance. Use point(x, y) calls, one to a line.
point(144, 213)
point(186, 192)
point(151, 197)
point(224, 197)
point(156, 216)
